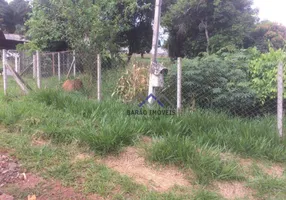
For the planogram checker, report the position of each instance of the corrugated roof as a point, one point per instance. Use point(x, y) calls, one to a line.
point(15, 37)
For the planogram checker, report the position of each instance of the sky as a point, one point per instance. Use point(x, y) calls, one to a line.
point(273, 10)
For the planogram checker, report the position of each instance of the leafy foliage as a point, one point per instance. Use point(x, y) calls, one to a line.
point(219, 82)
point(207, 26)
point(266, 32)
point(6, 23)
point(138, 35)
point(92, 25)
point(14, 15)
point(263, 70)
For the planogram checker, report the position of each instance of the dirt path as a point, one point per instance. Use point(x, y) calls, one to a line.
point(15, 184)
point(130, 163)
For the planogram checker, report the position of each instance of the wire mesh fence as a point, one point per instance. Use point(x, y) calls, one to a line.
point(202, 87)
point(56, 67)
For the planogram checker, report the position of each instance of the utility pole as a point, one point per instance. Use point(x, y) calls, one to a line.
point(156, 26)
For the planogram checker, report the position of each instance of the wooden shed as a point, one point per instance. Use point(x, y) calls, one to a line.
point(10, 41)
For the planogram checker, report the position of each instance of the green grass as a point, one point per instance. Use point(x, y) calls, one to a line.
point(105, 128)
point(268, 187)
point(86, 176)
point(257, 138)
point(193, 140)
point(206, 195)
point(204, 161)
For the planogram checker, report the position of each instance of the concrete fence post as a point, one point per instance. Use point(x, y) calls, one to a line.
point(39, 74)
point(280, 87)
point(59, 66)
point(179, 86)
point(98, 77)
point(4, 72)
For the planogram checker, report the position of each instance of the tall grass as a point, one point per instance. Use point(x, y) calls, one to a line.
point(106, 127)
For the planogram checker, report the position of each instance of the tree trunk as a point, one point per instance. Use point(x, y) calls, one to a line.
point(142, 55)
point(205, 24)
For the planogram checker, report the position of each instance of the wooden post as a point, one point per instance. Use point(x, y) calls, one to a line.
point(179, 86)
point(98, 77)
point(34, 66)
point(4, 72)
point(53, 60)
point(39, 75)
point(25, 87)
point(74, 65)
point(280, 87)
point(59, 66)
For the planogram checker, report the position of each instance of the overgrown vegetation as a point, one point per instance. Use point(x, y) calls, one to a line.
point(242, 82)
point(193, 140)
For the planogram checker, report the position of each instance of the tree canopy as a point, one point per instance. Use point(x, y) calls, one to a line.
point(269, 32)
point(105, 25)
point(197, 26)
point(14, 15)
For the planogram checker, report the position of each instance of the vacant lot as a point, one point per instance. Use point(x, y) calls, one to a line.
point(56, 145)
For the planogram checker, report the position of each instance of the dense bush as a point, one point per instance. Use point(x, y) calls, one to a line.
point(263, 71)
point(218, 82)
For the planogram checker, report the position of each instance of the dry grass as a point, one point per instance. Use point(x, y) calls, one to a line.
point(133, 84)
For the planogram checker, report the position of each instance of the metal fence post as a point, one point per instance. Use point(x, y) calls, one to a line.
point(98, 77)
point(280, 100)
point(4, 72)
point(179, 86)
point(39, 75)
point(59, 66)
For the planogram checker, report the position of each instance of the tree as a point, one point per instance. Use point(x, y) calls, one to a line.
point(20, 13)
point(266, 32)
point(197, 26)
point(138, 34)
point(13, 15)
point(6, 22)
point(104, 24)
point(89, 27)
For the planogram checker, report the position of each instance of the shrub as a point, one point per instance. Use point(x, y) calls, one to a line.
point(218, 82)
point(263, 70)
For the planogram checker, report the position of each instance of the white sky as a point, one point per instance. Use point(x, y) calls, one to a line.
point(273, 10)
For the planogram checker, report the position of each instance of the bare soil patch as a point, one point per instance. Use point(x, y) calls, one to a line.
point(56, 191)
point(275, 170)
point(132, 164)
point(146, 139)
point(11, 176)
point(234, 190)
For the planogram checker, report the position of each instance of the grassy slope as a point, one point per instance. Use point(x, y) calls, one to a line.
point(194, 140)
